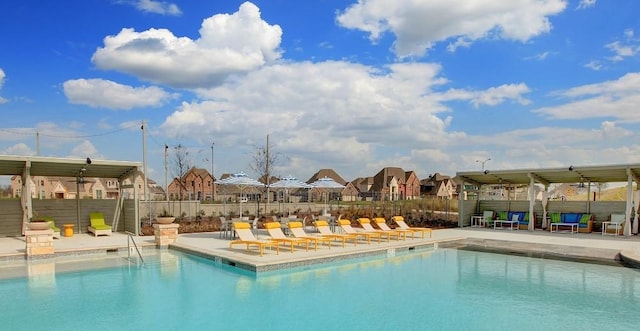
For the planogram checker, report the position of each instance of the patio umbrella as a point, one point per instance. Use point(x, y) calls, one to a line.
point(242, 181)
point(328, 184)
point(289, 182)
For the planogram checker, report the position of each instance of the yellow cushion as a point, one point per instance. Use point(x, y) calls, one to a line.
point(295, 224)
point(364, 220)
point(271, 225)
point(241, 225)
point(321, 223)
point(380, 220)
point(399, 218)
point(344, 222)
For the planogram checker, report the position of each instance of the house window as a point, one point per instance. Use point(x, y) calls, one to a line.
point(98, 194)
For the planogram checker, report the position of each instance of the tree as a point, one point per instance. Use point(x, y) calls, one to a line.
point(264, 159)
point(181, 165)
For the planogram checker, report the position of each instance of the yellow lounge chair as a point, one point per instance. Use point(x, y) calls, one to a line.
point(275, 231)
point(345, 225)
point(297, 231)
point(402, 225)
point(366, 225)
point(382, 224)
point(246, 237)
point(323, 228)
point(98, 226)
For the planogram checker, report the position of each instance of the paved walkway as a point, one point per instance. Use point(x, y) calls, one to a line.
point(589, 247)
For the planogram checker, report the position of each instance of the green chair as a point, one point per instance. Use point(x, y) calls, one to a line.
point(52, 226)
point(98, 226)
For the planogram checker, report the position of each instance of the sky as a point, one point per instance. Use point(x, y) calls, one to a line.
point(355, 86)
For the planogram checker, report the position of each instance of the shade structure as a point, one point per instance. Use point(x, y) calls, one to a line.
point(327, 184)
point(242, 181)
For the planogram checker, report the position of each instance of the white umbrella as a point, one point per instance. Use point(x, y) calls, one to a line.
point(289, 182)
point(242, 181)
point(327, 183)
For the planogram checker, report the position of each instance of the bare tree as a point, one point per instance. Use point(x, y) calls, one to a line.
point(181, 165)
point(264, 159)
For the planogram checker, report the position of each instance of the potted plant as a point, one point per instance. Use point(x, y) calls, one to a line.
point(165, 217)
point(38, 223)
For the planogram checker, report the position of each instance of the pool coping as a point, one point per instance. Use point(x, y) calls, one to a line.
point(298, 261)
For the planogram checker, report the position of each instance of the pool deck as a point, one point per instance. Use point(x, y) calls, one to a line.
point(593, 248)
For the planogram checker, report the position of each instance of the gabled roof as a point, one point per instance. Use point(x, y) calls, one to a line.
point(327, 173)
point(382, 178)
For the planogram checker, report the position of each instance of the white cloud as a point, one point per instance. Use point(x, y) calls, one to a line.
point(628, 47)
point(85, 149)
point(595, 65)
point(332, 111)
point(418, 25)
point(19, 149)
point(228, 45)
point(616, 99)
point(584, 4)
point(158, 7)
point(490, 97)
point(108, 94)
point(540, 57)
point(2, 76)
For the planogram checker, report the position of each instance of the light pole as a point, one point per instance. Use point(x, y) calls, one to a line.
point(483, 162)
point(213, 198)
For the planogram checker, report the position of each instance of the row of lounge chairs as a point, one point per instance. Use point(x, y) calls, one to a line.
point(299, 237)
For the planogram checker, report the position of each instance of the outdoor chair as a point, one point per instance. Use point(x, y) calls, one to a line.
point(297, 231)
point(402, 225)
point(246, 237)
point(345, 225)
point(366, 226)
point(98, 226)
point(325, 231)
point(614, 224)
point(274, 229)
point(382, 224)
point(487, 218)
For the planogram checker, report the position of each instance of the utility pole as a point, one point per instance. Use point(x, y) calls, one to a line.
point(268, 172)
point(213, 197)
point(166, 174)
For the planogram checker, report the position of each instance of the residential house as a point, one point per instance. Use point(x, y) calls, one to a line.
point(195, 184)
point(89, 187)
point(393, 183)
point(348, 193)
point(439, 186)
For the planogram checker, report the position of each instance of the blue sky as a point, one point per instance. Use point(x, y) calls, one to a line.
point(430, 86)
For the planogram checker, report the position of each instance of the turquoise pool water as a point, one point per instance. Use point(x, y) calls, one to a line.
point(429, 290)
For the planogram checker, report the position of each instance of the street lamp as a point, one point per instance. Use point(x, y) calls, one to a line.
point(483, 162)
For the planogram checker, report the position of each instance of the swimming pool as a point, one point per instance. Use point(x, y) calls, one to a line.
point(442, 289)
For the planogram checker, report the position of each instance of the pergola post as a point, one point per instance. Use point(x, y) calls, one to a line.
point(627, 210)
point(25, 198)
